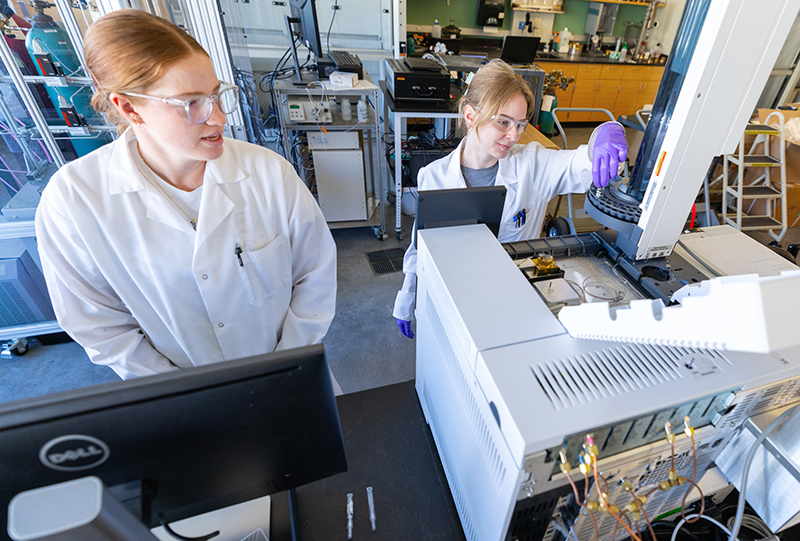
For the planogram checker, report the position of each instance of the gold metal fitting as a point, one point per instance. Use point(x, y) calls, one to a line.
point(589, 446)
point(668, 430)
point(687, 428)
point(672, 475)
point(544, 265)
point(664, 485)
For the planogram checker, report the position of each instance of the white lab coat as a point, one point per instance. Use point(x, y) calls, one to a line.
point(143, 293)
point(532, 175)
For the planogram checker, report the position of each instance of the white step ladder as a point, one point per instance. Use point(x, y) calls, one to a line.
point(737, 193)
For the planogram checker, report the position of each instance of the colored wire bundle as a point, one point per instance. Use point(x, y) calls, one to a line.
point(628, 516)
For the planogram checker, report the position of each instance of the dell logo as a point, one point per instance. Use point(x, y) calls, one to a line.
point(73, 453)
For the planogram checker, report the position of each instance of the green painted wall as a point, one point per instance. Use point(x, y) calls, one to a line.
point(464, 13)
point(574, 16)
point(575, 12)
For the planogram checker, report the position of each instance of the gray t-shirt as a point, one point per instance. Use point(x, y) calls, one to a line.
point(480, 177)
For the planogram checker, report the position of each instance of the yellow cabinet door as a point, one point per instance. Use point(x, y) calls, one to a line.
point(612, 72)
point(605, 98)
point(648, 94)
point(628, 98)
point(653, 73)
point(583, 96)
point(633, 73)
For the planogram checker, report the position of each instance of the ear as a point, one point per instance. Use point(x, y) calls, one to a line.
point(125, 107)
point(470, 116)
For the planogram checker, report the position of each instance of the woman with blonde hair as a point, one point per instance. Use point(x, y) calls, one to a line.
point(175, 246)
point(495, 110)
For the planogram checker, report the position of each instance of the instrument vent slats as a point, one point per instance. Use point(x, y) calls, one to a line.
point(618, 370)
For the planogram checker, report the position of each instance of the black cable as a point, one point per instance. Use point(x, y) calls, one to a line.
point(163, 520)
point(335, 10)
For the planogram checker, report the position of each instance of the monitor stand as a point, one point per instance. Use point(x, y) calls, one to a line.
point(284, 519)
point(298, 78)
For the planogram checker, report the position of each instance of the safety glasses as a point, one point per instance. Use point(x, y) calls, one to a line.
point(199, 109)
point(505, 124)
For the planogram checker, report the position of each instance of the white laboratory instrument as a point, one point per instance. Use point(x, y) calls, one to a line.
point(505, 387)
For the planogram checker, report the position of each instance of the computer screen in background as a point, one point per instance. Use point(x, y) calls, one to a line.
point(308, 27)
point(462, 206)
point(518, 50)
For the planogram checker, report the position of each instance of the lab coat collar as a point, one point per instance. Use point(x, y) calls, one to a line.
point(128, 178)
point(215, 205)
point(507, 174)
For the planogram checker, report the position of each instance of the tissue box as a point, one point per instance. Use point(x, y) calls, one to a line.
point(342, 79)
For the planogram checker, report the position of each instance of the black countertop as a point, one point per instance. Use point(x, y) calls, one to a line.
point(390, 448)
point(541, 58)
point(586, 58)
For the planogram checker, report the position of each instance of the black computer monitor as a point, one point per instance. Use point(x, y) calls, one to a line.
point(198, 439)
point(307, 27)
point(462, 206)
point(303, 25)
point(519, 50)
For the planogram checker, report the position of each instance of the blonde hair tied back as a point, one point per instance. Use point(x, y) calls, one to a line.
point(490, 89)
point(127, 51)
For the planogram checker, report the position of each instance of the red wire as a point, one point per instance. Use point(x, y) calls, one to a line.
point(694, 214)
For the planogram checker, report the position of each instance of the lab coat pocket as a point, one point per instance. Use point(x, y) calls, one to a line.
point(264, 272)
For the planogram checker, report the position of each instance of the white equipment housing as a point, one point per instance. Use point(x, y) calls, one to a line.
point(735, 52)
point(503, 385)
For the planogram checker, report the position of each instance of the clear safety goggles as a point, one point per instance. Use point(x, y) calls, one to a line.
point(505, 124)
point(199, 109)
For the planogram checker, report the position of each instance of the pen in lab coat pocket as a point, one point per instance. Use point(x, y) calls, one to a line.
point(238, 252)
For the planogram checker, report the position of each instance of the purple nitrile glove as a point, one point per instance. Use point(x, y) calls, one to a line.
point(608, 149)
point(405, 328)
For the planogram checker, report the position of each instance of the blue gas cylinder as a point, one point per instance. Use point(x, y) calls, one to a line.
point(53, 54)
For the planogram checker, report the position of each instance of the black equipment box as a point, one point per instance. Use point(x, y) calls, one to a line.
point(347, 62)
point(422, 153)
point(419, 80)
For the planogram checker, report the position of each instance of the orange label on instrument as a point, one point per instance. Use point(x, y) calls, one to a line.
point(660, 162)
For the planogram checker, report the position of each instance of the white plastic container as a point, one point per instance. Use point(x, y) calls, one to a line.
point(563, 42)
point(361, 108)
point(437, 29)
point(347, 110)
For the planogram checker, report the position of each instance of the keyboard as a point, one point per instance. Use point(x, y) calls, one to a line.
point(346, 62)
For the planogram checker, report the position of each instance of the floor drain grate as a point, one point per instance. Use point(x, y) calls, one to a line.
point(386, 261)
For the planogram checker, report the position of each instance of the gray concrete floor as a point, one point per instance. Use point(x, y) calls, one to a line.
point(364, 346)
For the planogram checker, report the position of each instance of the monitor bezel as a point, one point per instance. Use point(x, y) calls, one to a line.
point(301, 366)
point(460, 206)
